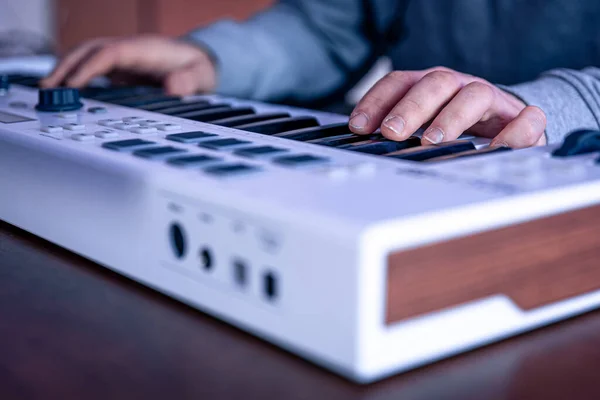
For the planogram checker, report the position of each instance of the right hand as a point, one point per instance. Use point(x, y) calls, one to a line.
point(182, 68)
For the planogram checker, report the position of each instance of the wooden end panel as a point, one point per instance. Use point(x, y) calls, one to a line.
point(534, 263)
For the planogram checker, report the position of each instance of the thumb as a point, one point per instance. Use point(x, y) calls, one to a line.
point(197, 76)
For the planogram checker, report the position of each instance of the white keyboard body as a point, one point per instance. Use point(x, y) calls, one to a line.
point(319, 237)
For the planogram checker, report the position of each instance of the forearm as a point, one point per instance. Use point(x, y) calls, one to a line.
point(295, 49)
point(569, 98)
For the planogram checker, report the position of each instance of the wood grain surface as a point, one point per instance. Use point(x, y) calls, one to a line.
point(70, 329)
point(534, 263)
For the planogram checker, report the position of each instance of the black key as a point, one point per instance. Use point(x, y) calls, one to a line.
point(218, 144)
point(234, 122)
point(230, 169)
point(170, 103)
point(579, 142)
point(381, 146)
point(471, 153)
point(259, 151)
point(189, 137)
point(217, 113)
point(427, 152)
point(316, 132)
point(341, 140)
point(192, 161)
point(279, 125)
point(189, 110)
point(158, 153)
point(143, 99)
point(299, 160)
point(117, 92)
point(128, 145)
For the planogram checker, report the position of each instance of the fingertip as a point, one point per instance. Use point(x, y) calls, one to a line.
point(393, 128)
point(359, 123)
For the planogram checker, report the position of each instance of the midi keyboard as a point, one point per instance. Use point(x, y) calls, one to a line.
point(366, 256)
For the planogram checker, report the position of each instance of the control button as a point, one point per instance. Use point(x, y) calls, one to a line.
point(259, 151)
point(133, 119)
point(364, 169)
point(158, 153)
point(125, 126)
point(97, 110)
point(148, 122)
point(168, 127)
point(230, 169)
point(218, 144)
point(106, 134)
point(579, 142)
point(337, 173)
point(52, 129)
point(74, 127)
point(189, 137)
point(128, 145)
point(58, 99)
point(192, 161)
point(83, 137)
point(17, 104)
point(270, 286)
point(109, 122)
point(144, 130)
point(300, 160)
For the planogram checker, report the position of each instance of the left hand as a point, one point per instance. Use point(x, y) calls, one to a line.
point(451, 103)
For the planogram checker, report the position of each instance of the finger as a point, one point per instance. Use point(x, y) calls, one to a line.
point(195, 77)
point(421, 103)
point(65, 66)
point(380, 99)
point(105, 60)
point(464, 110)
point(526, 130)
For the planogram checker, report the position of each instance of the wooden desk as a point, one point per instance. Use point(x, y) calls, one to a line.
point(72, 330)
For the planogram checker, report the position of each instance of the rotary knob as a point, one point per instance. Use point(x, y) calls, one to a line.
point(4, 84)
point(58, 99)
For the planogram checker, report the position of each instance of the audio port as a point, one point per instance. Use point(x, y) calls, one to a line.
point(270, 286)
point(240, 274)
point(177, 239)
point(206, 259)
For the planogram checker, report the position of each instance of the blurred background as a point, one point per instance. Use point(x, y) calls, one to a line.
point(53, 27)
point(61, 24)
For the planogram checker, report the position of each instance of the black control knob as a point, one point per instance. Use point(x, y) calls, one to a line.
point(58, 99)
point(4, 84)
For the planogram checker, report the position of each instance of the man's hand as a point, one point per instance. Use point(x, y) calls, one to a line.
point(450, 103)
point(181, 68)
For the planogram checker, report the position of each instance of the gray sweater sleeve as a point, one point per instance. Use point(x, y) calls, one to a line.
point(569, 98)
point(296, 50)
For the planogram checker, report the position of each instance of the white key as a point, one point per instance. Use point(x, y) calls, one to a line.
point(83, 137)
point(133, 119)
point(144, 130)
point(168, 127)
point(106, 134)
point(52, 129)
point(109, 122)
point(74, 127)
point(125, 126)
point(337, 173)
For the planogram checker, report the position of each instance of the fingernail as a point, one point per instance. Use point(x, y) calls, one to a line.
point(498, 144)
point(434, 135)
point(396, 124)
point(359, 121)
